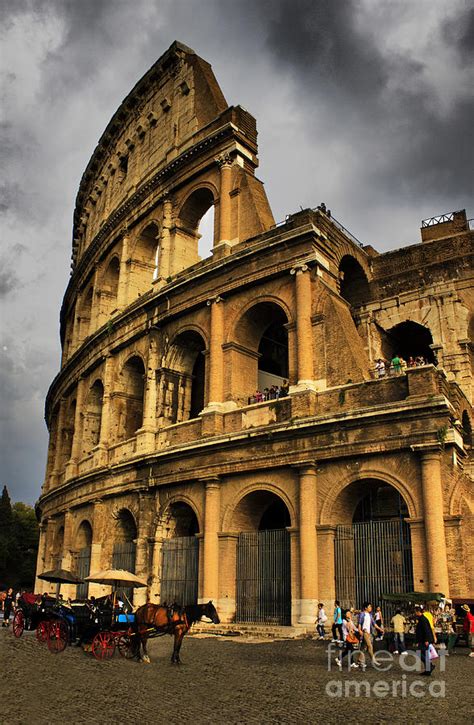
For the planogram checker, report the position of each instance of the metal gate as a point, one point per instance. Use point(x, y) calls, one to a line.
point(123, 557)
point(179, 570)
point(83, 568)
point(372, 559)
point(264, 577)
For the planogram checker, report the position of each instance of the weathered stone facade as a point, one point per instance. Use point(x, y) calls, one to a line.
point(154, 435)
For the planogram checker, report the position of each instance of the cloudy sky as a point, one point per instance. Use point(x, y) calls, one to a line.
point(367, 105)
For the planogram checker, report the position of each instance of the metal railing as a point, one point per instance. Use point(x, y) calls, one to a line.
point(449, 217)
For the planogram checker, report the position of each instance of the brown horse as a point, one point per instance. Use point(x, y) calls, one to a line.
point(152, 620)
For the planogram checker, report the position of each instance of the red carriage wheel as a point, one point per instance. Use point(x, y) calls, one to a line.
point(42, 631)
point(58, 636)
point(103, 645)
point(125, 646)
point(18, 623)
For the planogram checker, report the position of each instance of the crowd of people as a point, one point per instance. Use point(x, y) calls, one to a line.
point(272, 393)
point(356, 630)
point(397, 365)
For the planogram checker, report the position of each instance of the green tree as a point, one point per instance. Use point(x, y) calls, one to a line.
point(19, 535)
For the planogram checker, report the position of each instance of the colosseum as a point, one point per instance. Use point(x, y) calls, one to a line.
point(220, 424)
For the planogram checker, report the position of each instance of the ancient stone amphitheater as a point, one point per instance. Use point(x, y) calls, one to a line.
point(218, 425)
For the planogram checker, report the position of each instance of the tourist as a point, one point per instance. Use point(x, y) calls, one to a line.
point(321, 620)
point(424, 637)
point(258, 396)
point(403, 365)
point(284, 389)
point(468, 628)
point(398, 623)
point(351, 640)
point(366, 625)
point(395, 365)
point(420, 360)
point(337, 623)
point(380, 368)
point(378, 621)
point(7, 607)
point(411, 362)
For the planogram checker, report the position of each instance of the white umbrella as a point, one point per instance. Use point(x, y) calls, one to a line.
point(116, 578)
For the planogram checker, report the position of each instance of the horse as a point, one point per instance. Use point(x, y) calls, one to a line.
point(158, 619)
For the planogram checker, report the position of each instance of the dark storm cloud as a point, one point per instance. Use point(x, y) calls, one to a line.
point(381, 97)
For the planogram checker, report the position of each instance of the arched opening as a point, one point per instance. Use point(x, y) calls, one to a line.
point(144, 261)
point(262, 357)
point(206, 233)
point(133, 375)
point(409, 340)
point(354, 285)
point(466, 429)
point(92, 418)
point(109, 289)
point(263, 559)
point(182, 382)
point(124, 550)
point(83, 557)
point(373, 544)
point(195, 226)
point(180, 556)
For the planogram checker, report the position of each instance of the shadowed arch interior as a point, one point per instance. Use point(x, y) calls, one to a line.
point(353, 280)
point(92, 417)
point(183, 379)
point(410, 339)
point(133, 374)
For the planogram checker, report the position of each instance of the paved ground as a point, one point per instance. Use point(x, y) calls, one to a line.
point(222, 680)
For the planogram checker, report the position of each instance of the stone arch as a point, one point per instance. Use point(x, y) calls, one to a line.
point(349, 250)
point(132, 397)
point(125, 528)
point(328, 511)
point(409, 339)
point(193, 208)
point(183, 377)
point(92, 416)
point(109, 286)
point(144, 259)
point(353, 281)
point(162, 521)
point(230, 521)
point(458, 499)
point(83, 546)
point(260, 347)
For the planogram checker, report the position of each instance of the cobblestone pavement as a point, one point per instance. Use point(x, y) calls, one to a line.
point(223, 680)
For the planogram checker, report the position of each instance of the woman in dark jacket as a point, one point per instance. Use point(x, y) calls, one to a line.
point(424, 637)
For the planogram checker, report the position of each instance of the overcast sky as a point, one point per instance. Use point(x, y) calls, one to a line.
point(366, 105)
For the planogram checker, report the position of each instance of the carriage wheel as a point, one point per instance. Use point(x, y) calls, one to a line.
point(42, 631)
point(18, 623)
point(103, 645)
point(58, 636)
point(125, 646)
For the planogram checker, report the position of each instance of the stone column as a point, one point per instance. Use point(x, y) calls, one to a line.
point(106, 413)
point(59, 441)
point(432, 493)
point(76, 449)
point(216, 354)
point(122, 292)
point(326, 534)
point(210, 588)
point(40, 560)
point(146, 435)
point(164, 255)
point(66, 562)
point(308, 543)
point(146, 510)
point(155, 586)
point(304, 329)
point(98, 527)
point(224, 162)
